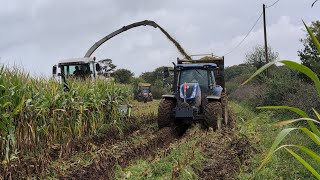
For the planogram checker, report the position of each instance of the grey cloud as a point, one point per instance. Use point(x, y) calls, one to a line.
point(38, 34)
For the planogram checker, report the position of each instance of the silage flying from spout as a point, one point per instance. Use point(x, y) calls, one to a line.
point(179, 47)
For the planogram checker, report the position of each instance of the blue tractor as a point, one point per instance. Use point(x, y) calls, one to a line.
point(198, 94)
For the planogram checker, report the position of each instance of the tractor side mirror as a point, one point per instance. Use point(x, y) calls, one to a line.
point(98, 67)
point(166, 72)
point(54, 70)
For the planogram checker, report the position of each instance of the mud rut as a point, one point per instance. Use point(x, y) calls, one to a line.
point(124, 152)
point(224, 150)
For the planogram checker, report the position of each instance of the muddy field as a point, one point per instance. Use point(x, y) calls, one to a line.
point(99, 157)
point(224, 152)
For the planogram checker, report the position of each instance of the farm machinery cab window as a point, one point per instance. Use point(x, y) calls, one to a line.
point(201, 76)
point(80, 70)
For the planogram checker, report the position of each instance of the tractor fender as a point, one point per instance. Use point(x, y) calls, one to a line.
point(216, 93)
point(213, 97)
point(168, 96)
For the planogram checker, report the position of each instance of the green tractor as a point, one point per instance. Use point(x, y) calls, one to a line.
point(198, 94)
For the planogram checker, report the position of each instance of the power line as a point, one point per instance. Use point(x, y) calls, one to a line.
point(273, 4)
point(245, 36)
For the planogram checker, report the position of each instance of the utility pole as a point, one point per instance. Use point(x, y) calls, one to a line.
point(265, 36)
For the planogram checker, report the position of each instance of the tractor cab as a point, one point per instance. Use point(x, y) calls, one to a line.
point(201, 75)
point(76, 68)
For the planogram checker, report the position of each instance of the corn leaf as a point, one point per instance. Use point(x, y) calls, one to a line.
point(293, 65)
point(275, 144)
point(282, 123)
point(19, 106)
point(314, 155)
point(3, 126)
point(312, 136)
point(314, 39)
point(304, 163)
point(280, 138)
point(293, 109)
point(305, 70)
point(258, 72)
point(317, 114)
point(297, 111)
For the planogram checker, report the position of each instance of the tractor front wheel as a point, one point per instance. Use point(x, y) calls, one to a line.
point(164, 111)
point(213, 115)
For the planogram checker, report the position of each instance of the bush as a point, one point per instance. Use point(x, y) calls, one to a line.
point(159, 89)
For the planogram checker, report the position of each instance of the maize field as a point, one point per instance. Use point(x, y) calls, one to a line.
point(37, 114)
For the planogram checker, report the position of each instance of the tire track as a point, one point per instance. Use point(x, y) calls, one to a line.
point(122, 154)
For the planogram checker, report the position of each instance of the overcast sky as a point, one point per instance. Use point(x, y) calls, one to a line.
point(36, 34)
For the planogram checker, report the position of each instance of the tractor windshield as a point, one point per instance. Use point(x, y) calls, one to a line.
point(76, 71)
point(195, 76)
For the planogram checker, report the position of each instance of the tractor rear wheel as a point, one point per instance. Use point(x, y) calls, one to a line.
point(164, 111)
point(213, 115)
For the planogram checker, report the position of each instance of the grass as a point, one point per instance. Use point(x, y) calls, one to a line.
point(140, 108)
point(260, 131)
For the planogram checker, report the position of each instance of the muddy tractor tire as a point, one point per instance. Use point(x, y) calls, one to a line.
point(164, 111)
point(213, 115)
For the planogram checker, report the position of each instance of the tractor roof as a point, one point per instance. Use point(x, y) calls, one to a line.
point(76, 61)
point(197, 65)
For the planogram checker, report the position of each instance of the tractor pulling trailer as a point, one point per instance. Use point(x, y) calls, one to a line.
point(198, 94)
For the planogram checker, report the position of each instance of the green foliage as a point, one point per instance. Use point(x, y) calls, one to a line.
point(107, 67)
point(283, 81)
point(151, 77)
point(135, 81)
point(238, 70)
point(36, 114)
point(257, 57)
point(258, 128)
point(314, 133)
point(123, 76)
point(160, 86)
point(309, 55)
point(160, 89)
point(282, 88)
